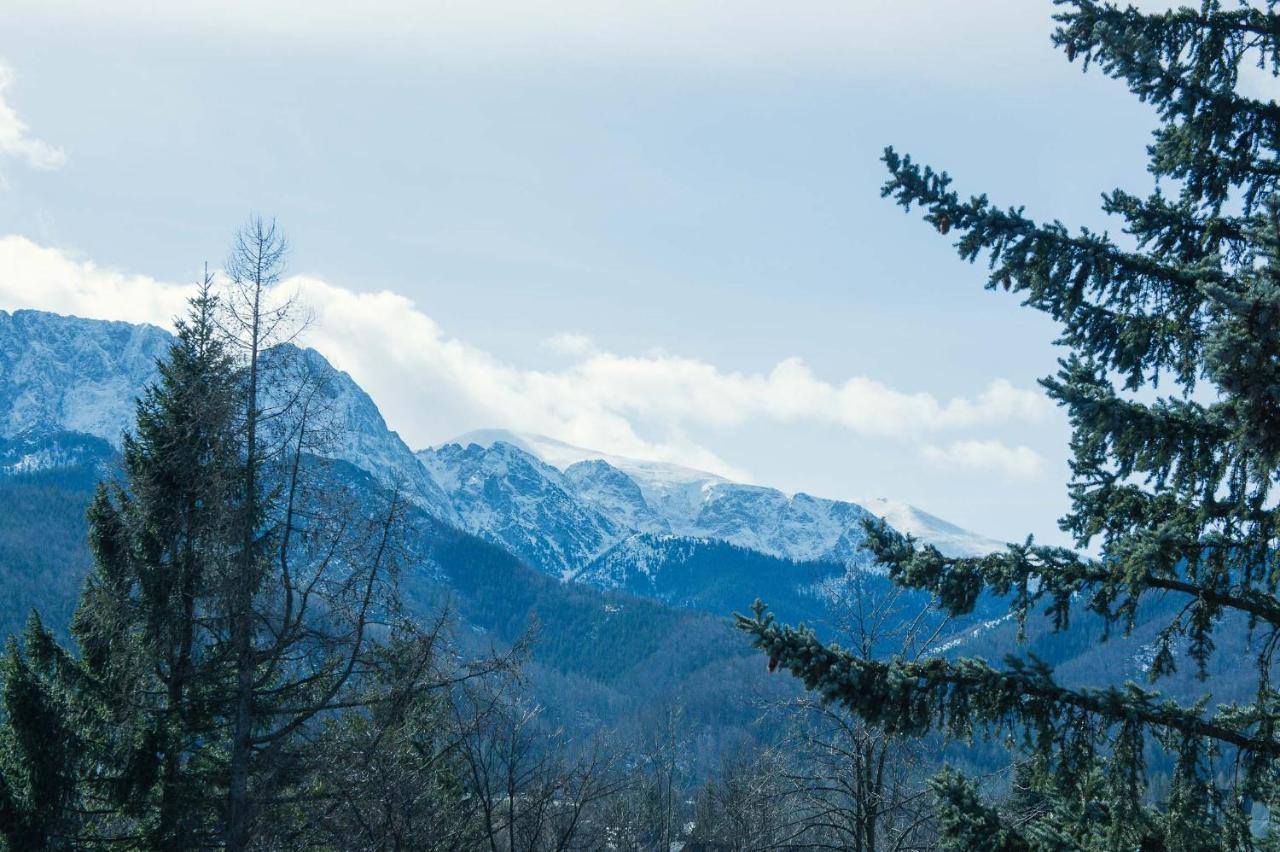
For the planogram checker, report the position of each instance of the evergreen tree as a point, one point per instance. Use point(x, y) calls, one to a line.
point(119, 728)
point(145, 621)
point(1172, 385)
point(43, 753)
point(242, 603)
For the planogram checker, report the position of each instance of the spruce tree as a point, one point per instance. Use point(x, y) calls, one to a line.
point(113, 743)
point(145, 623)
point(1172, 386)
point(44, 753)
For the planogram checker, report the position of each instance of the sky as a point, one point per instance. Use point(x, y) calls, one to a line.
point(653, 229)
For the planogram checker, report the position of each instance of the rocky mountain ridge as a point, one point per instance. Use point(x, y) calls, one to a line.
point(558, 507)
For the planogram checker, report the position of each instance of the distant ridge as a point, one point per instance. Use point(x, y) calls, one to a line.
point(684, 493)
point(557, 506)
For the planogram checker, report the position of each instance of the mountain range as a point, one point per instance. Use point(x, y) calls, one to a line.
point(626, 568)
point(569, 511)
point(614, 559)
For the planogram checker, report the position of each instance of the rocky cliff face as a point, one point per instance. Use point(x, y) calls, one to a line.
point(74, 374)
point(66, 374)
point(506, 495)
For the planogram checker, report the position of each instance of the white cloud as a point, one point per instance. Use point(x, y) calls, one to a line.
point(570, 343)
point(33, 276)
point(430, 385)
point(1019, 462)
point(15, 139)
point(749, 33)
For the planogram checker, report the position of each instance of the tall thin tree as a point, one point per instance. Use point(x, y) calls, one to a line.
point(255, 266)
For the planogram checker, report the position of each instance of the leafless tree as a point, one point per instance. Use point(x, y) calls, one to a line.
point(834, 781)
point(312, 583)
point(854, 786)
point(746, 806)
point(530, 793)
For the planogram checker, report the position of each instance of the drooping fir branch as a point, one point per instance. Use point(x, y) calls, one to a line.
point(1187, 63)
point(966, 822)
point(1032, 573)
point(1139, 313)
point(965, 695)
point(1059, 579)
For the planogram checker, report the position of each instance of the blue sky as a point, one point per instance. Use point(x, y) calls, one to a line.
point(650, 228)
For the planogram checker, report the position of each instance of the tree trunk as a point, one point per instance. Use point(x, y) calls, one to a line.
point(241, 615)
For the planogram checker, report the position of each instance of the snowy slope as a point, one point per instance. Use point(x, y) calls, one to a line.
point(681, 501)
point(950, 539)
point(67, 374)
point(508, 496)
point(73, 374)
point(40, 450)
point(615, 495)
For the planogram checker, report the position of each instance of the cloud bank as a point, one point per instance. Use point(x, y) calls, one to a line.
point(749, 34)
point(15, 138)
point(430, 385)
point(1019, 462)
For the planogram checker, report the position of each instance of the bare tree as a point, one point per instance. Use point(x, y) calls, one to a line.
point(255, 267)
point(832, 781)
point(746, 806)
point(529, 793)
point(854, 786)
point(313, 578)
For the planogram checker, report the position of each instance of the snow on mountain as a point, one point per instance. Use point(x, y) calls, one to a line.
point(556, 505)
point(655, 475)
point(950, 539)
point(362, 438)
point(61, 373)
point(37, 450)
point(682, 501)
point(74, 374)
point(640, 556)
point(504, 494)
point(615, 495)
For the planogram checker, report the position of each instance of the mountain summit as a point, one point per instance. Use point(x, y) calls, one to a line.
point(663, 498)
point(559, 507)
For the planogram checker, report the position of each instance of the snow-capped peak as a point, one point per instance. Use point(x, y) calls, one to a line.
point(947, 537)
point(562, 455)
point(689, 502)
